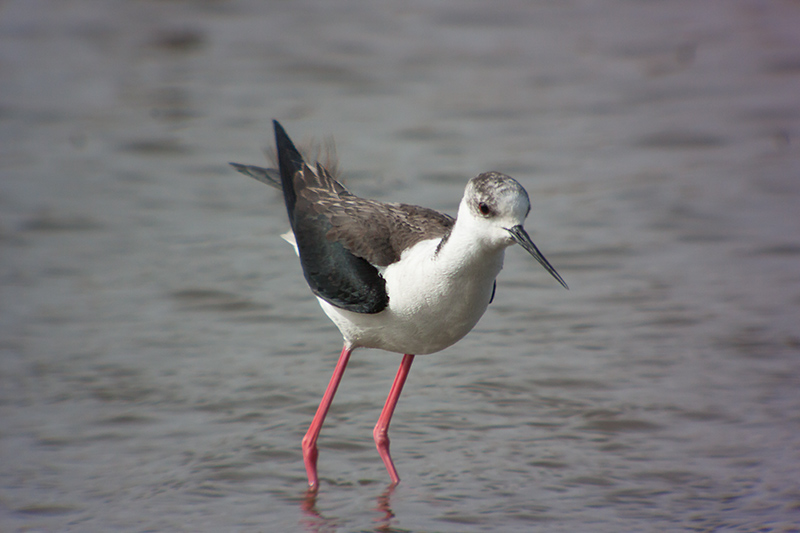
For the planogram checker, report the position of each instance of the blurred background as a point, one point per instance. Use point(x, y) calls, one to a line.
point(161, 356)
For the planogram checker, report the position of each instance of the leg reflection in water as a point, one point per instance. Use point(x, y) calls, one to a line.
point(314, 522)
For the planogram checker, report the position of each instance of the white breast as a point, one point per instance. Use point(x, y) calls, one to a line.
point(434, 300)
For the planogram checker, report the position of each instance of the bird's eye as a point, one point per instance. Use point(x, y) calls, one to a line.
point(483, 208)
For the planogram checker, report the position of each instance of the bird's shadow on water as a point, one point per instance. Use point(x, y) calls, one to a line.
point(314, 521)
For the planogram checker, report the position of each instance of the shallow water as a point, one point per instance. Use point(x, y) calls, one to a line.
point(162, 357)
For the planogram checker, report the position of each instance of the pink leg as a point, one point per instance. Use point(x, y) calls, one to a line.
point(310, 452)
point(381, 431)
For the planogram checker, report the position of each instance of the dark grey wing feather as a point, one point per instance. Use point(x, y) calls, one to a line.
point(333, 272)
point(270, 176)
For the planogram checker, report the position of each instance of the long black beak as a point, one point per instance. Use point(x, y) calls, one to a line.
point(523, 239)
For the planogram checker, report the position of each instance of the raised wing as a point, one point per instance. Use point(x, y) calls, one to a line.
point(341, 238)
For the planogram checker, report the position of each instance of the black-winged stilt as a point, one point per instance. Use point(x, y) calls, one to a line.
point(398, 277)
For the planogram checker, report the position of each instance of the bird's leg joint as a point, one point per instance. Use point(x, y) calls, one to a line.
point(381, 436)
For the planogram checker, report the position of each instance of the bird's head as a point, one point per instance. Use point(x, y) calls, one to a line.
point(496, 206)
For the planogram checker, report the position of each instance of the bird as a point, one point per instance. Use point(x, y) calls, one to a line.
point(394, 276)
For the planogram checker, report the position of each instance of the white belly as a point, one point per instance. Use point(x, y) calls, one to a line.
point(433, 303)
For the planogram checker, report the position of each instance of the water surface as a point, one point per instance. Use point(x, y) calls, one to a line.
point(161, 356)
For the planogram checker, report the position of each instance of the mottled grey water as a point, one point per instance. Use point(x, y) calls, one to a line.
point(161, 356)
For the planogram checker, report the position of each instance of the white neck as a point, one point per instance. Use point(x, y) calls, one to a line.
point(470, 248)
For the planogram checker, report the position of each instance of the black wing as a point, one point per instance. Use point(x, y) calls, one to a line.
point(333, 272)
point(341, 238)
